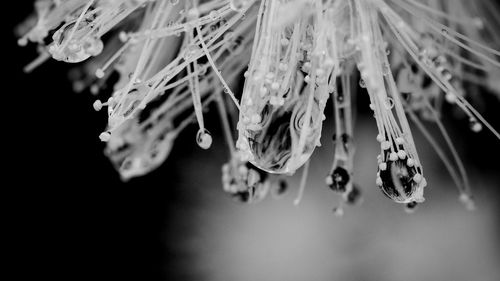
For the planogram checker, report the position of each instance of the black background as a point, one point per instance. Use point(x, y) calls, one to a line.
point(69, 214)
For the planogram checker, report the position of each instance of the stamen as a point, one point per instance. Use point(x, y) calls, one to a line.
point(303, 183)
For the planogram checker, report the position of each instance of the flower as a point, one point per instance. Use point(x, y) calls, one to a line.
point(174, 58)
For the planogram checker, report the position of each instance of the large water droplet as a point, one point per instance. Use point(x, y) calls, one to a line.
point(204, 139)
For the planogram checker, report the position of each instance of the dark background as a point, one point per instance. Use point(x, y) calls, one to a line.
point(70, 217)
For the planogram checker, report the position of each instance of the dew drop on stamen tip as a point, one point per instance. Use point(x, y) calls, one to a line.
point(475, 126)
point(204, 139)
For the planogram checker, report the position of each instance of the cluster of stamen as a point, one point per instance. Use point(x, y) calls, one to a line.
point(172, 59)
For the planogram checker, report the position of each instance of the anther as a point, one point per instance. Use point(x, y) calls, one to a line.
point(105, 136)
point(97, 105)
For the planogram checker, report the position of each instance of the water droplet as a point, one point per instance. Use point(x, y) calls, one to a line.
point(475, 126)
point(213, 14)
point(204, 139)
point(400, 182)
point(338, 179)
point(362, 83)
point(237, 5)
point(411, 207)
point(389, 103)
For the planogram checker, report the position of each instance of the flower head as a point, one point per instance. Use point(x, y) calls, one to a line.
point(173, 58)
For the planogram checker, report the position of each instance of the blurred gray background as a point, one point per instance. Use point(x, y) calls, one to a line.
point(215, 238)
